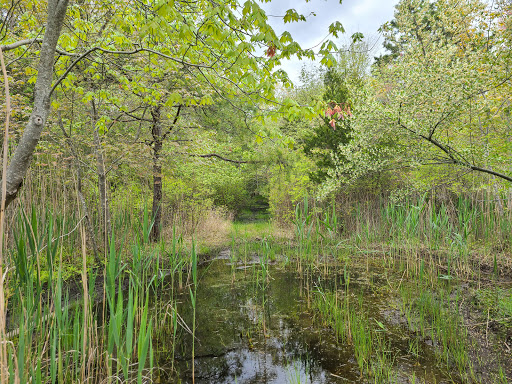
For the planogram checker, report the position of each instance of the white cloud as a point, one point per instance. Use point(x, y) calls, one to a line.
point(364, 16)
point(362, 7)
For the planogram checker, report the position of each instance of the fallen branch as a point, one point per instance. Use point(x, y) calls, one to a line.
point(487, 322)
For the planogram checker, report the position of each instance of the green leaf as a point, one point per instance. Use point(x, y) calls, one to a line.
point(293, 16)
point(336, 27)
point(87, 97)
point(380, 324)
point(356, 37)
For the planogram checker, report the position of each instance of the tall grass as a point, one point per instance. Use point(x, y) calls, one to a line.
point(436, 316)
point(102, 333)
point(430, 243)
point(352, 325)
point(435, 229)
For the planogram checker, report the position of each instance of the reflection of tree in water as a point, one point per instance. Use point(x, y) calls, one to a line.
point(231, 345)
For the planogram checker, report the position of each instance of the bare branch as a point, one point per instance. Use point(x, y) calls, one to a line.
point(455, 157)
point(210, 155)
point(173, 123)
point(20, 43)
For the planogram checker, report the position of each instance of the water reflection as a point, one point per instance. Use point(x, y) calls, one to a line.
point(246, 334)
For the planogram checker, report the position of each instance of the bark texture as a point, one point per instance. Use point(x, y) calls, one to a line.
point(21, 159)
point(159, 137)
point(156, 133)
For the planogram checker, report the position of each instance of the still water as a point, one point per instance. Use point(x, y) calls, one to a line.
point(249, 331)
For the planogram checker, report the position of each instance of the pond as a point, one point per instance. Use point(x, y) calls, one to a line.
point(256, 329)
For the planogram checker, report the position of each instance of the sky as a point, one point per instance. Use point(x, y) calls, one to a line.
point(364, 16)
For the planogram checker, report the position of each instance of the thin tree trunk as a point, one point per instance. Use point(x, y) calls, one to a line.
point(156, 214)
point(81, 198)
point(4, 374)
point(102, 180)
point(88, 223)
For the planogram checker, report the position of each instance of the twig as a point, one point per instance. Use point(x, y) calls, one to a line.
point(487, 328)
point(401, 281)
point(209, 155)
point(488, 320)
point(66, 234)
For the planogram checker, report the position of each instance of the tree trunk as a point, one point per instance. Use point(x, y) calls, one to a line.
point(20, 160)
point(81, 197)
point(85, 211)
point(156, 213)
point(156, 147)
point(102, 181)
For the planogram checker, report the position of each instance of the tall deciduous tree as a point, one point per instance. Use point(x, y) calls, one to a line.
point(216, 43)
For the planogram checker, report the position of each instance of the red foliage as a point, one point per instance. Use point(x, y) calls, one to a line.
point(271, 51)
point(337, 111)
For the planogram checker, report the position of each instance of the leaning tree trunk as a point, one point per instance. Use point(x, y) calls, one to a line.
point(156, 214)
point(102, 181)
point(12, 179)
point(22, 156)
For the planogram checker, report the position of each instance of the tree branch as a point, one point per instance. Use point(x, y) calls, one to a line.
point(173, 123)
point(451, 153)
point(132, 52)
point(209, 155)
point(20, 43)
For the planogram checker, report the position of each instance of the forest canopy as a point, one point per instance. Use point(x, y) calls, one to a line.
point(131, 88)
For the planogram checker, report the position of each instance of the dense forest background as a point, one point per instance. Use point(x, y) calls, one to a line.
point(139, 117)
